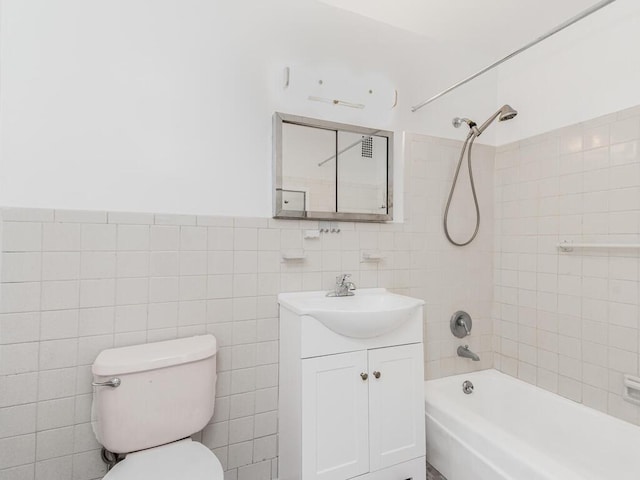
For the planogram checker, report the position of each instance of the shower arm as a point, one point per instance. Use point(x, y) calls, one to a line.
point(553, 31)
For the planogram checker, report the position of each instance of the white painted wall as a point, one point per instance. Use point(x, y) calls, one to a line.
point(166, 105)
point(588, 70)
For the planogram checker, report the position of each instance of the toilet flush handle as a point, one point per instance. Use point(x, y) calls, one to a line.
point(114, 382)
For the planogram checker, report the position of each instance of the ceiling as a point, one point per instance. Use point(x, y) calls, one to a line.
point(488, 25)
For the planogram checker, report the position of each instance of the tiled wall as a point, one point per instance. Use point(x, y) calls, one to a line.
point(77, 282)
point(568, 322)
point(450, 278)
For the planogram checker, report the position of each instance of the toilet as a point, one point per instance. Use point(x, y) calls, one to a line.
point(147, 402)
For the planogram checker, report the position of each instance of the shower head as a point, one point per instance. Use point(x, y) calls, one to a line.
point(505, 113)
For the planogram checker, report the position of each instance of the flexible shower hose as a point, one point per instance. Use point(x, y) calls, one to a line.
point(470, 139)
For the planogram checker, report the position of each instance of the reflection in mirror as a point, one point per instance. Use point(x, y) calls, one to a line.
point(331, 171)
point(362, 173)
point(307, 185)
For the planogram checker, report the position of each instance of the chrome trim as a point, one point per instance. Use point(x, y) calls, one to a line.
point(280, 118)
point(461, 324)
point(553, 31)
point(467, 387)
point(464, 352)
point(343, 287)
point(114, 382)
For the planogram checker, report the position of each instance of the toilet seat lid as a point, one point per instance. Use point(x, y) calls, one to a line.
point(179, 460)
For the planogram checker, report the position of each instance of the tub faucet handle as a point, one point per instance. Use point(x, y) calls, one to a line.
point(463, 324)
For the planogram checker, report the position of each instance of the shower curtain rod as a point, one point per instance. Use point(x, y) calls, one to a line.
point(551, 32)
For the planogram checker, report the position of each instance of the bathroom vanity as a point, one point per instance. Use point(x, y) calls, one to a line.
point(351, 400)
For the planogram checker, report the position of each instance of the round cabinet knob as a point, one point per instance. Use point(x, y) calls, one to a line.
point(377, 374)
point(364, 376)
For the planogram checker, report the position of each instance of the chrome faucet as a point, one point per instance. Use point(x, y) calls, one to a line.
point(344, 287)
point(466, 353)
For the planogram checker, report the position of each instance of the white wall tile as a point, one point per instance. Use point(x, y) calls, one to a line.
point(165, 219)
point(97, 237)
point(21, 267)
point(193, 263)
point(58, 354)
point(220, 238)
point(192, 313)
point(16, 451)
point(59, 468)
point(97, 293)
point(240, 429)
point(96, 265)
point(164, 264)
point(193, 238)
point(17, 420)
point(165, 238)
point(58, 383)
point(240, 454)
point(131, 318)
point(57, 324)
point(133, 264)
point(21, 237)
point(55, 413)
point(95, 321)
point(130, 291)
point(17, 389)
point(17, 214)
point(133, 237)
point(54, 443)
point(80, 216)
point(19, 327)
point(130, 218)
point(61, 237)
point(20, 297)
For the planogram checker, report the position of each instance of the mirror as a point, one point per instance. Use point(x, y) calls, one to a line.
point(331, 171)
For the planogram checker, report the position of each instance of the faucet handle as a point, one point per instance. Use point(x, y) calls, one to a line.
point(340, 279)
point(463, 324)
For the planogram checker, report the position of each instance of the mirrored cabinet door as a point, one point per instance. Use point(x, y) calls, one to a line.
point(362, 173)
point(308, 180)
point(331, 171)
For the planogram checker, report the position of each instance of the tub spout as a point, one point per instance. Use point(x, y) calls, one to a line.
point(466, 353)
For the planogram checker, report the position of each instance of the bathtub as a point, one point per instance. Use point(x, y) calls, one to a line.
point(508, 429)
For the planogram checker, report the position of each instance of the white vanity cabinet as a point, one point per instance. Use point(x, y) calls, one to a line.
point(350, 407)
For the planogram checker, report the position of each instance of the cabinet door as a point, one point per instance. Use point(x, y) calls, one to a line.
point(396, 405)
point(335, 443)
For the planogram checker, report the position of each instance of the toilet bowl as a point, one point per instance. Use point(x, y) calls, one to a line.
point(184, 460)
point(148, 400)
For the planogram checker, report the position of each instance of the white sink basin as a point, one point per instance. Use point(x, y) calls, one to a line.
point(369, 313)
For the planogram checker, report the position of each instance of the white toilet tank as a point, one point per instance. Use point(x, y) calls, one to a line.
point(166, 392)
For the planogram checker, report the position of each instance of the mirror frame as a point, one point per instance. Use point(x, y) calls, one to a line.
point(278, 212)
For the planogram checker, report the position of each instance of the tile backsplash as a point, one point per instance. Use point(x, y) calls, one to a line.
point(568, 322)
point(77, 282)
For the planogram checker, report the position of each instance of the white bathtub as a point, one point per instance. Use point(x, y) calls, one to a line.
point(508, 429)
